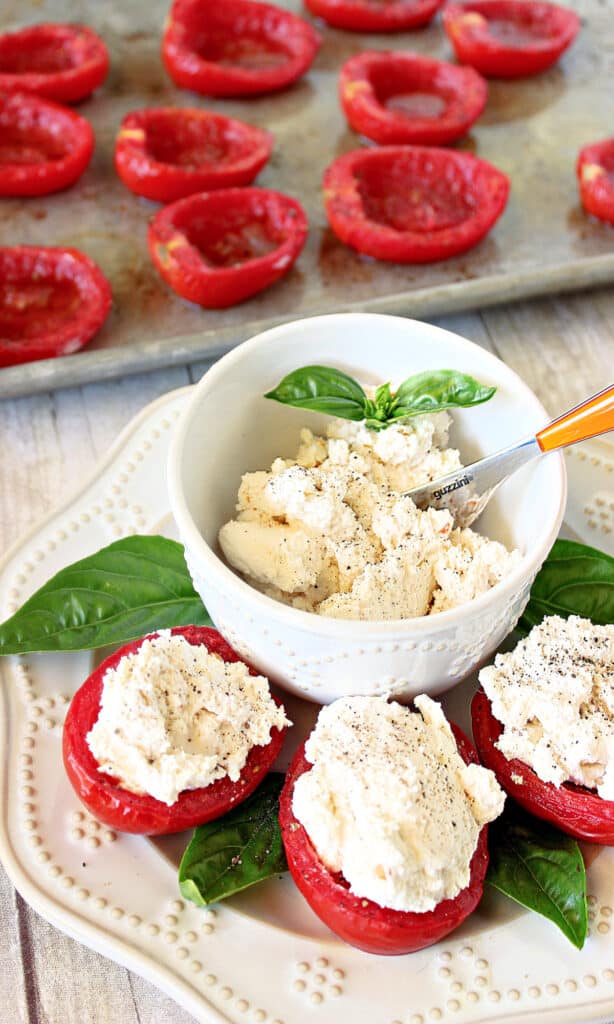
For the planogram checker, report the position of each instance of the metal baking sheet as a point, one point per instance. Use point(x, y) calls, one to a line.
point(531, 128)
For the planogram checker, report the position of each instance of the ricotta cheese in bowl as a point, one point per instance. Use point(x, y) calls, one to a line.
point(332, 532)
point(228, 428)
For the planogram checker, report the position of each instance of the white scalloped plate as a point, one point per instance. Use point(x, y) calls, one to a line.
point(263, 957)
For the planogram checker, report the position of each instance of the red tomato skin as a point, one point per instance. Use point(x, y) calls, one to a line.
point(369, 16)
point(26, 335)
point(166, 182)
point(463, 88)
point(40, 178)
point(351, 223)
point(473, 43)
point(190, 70)
point(575, 810)
point(87, 61)
point(361, 922)
point(140, 813)
point(182, 266)
point(597, 189)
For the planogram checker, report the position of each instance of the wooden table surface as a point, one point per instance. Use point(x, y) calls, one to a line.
point(562, 347)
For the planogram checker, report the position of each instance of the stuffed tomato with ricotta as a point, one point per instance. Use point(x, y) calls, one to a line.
point(386, 849)
point(138, 743)
point(576, 810)
point(543, 722)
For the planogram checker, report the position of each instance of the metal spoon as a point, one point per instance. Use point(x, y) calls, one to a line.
point(467, 491)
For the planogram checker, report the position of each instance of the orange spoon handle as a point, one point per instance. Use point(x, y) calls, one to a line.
point(595, 416)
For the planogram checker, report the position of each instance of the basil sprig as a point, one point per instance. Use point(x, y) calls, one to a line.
point(231, 853)
point(540, 868)
point(132, 587)
point(324, 389)
point(574, 580)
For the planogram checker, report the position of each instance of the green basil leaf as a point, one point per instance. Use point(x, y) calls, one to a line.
point(540, 868)
point(130, 588)
point(574, 580)
point(383, 398)
point(435, 390)
point(237, 850)
point(322, 389)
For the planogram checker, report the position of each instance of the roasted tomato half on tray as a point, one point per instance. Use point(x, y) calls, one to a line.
point(166, 153)
point(398, 97)
point(574, 809)
point(219, 248)
point(509, 38)
point(362, 922)
point(52, 302)
point(44, 147)
point(236, 47)
point(595, 170)
point(413, 204)
point(373, 15)
point(61, 62)
point(138, 812)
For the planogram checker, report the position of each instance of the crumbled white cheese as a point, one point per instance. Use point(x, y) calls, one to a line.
point(175, 717)
point(331, 531)
point(554, 696)
point(390, 803)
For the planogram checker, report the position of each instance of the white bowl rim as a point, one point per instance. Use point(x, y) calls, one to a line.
point(311, 622)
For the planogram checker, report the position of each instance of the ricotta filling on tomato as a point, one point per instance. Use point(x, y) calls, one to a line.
point(554, 696)
point(175, 717)
point(331, 531)
point(390, 803)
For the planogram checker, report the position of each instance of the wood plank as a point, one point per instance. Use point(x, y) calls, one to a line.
point(562, 347)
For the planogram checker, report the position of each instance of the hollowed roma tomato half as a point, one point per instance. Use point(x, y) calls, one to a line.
point(373, 15)
point(43, 147)
point(595, 170)
point(61, 62)
point(509, 38)
point(167, 153)
point(52, 302)
point(140, 813)
point(236, 47)
point(219, 248)
point(578, 811)
point(405, 97)
point(412, 204)
point(359, 921)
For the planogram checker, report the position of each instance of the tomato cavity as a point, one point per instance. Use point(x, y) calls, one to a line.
point(398, 196)
point(23, 305)
point(509, 38)
point(521, 33)
point(29, 135)
point(252, 53)
point(61, 62)
point(236, 48)
point(52, 302)
point(400, 96)
point(413, 204)
point(417, 104)
point(218, 248)
point(43, 56)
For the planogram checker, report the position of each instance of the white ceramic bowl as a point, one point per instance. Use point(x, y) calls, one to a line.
point(228, 428)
